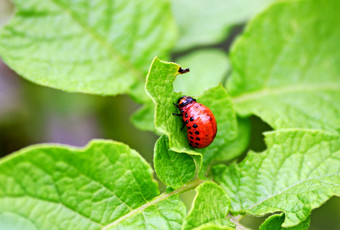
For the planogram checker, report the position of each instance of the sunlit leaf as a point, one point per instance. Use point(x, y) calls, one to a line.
point(104, 186)
point(98, 47)
point(174, 169)
point(286, 66)
point(299, 171)
point(210, 209)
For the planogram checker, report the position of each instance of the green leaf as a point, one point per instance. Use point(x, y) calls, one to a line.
point(159, 85)
point(207, 69)
point(166, 214)
point(298, 172)
point(204, 22)
point(174, 169)
point(286, 66)
point(98, 47)
point(103, 186)
point(239, 144)
point(275, 221)
point(210, 207)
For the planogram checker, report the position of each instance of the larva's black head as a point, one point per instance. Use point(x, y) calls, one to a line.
point(183, 101)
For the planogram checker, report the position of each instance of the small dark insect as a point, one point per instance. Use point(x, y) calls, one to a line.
point(202, 123)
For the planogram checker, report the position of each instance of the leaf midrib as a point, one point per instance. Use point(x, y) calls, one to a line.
point(113, 53)
point(156, 200)
point(285, 89)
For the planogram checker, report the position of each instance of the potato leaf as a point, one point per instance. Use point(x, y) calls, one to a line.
point(104, 186)
point(210, 209)
point(286, 66)
point(298, 172)
point(174, 169)
point(98, 47)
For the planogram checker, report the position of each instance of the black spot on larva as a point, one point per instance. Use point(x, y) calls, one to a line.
point(197, 138)
point(191, 118)
point(190, 132)
point(187, 121)
point(196, 132)
point(195, 126)
point(191, 142)
point(182, 111)
point(186, 115)
point(191, 137)
point(196, 143)
point(188, 127)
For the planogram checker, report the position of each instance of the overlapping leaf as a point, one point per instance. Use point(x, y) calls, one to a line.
point(99, 47)
point(104, 186)
point(174, 169)
point(210, 209)
point(286, 66)
point(298, 172)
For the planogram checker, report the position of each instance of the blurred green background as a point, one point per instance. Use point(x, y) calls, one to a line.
point(31, 114)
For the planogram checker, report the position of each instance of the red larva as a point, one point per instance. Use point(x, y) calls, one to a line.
point(200, 122)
